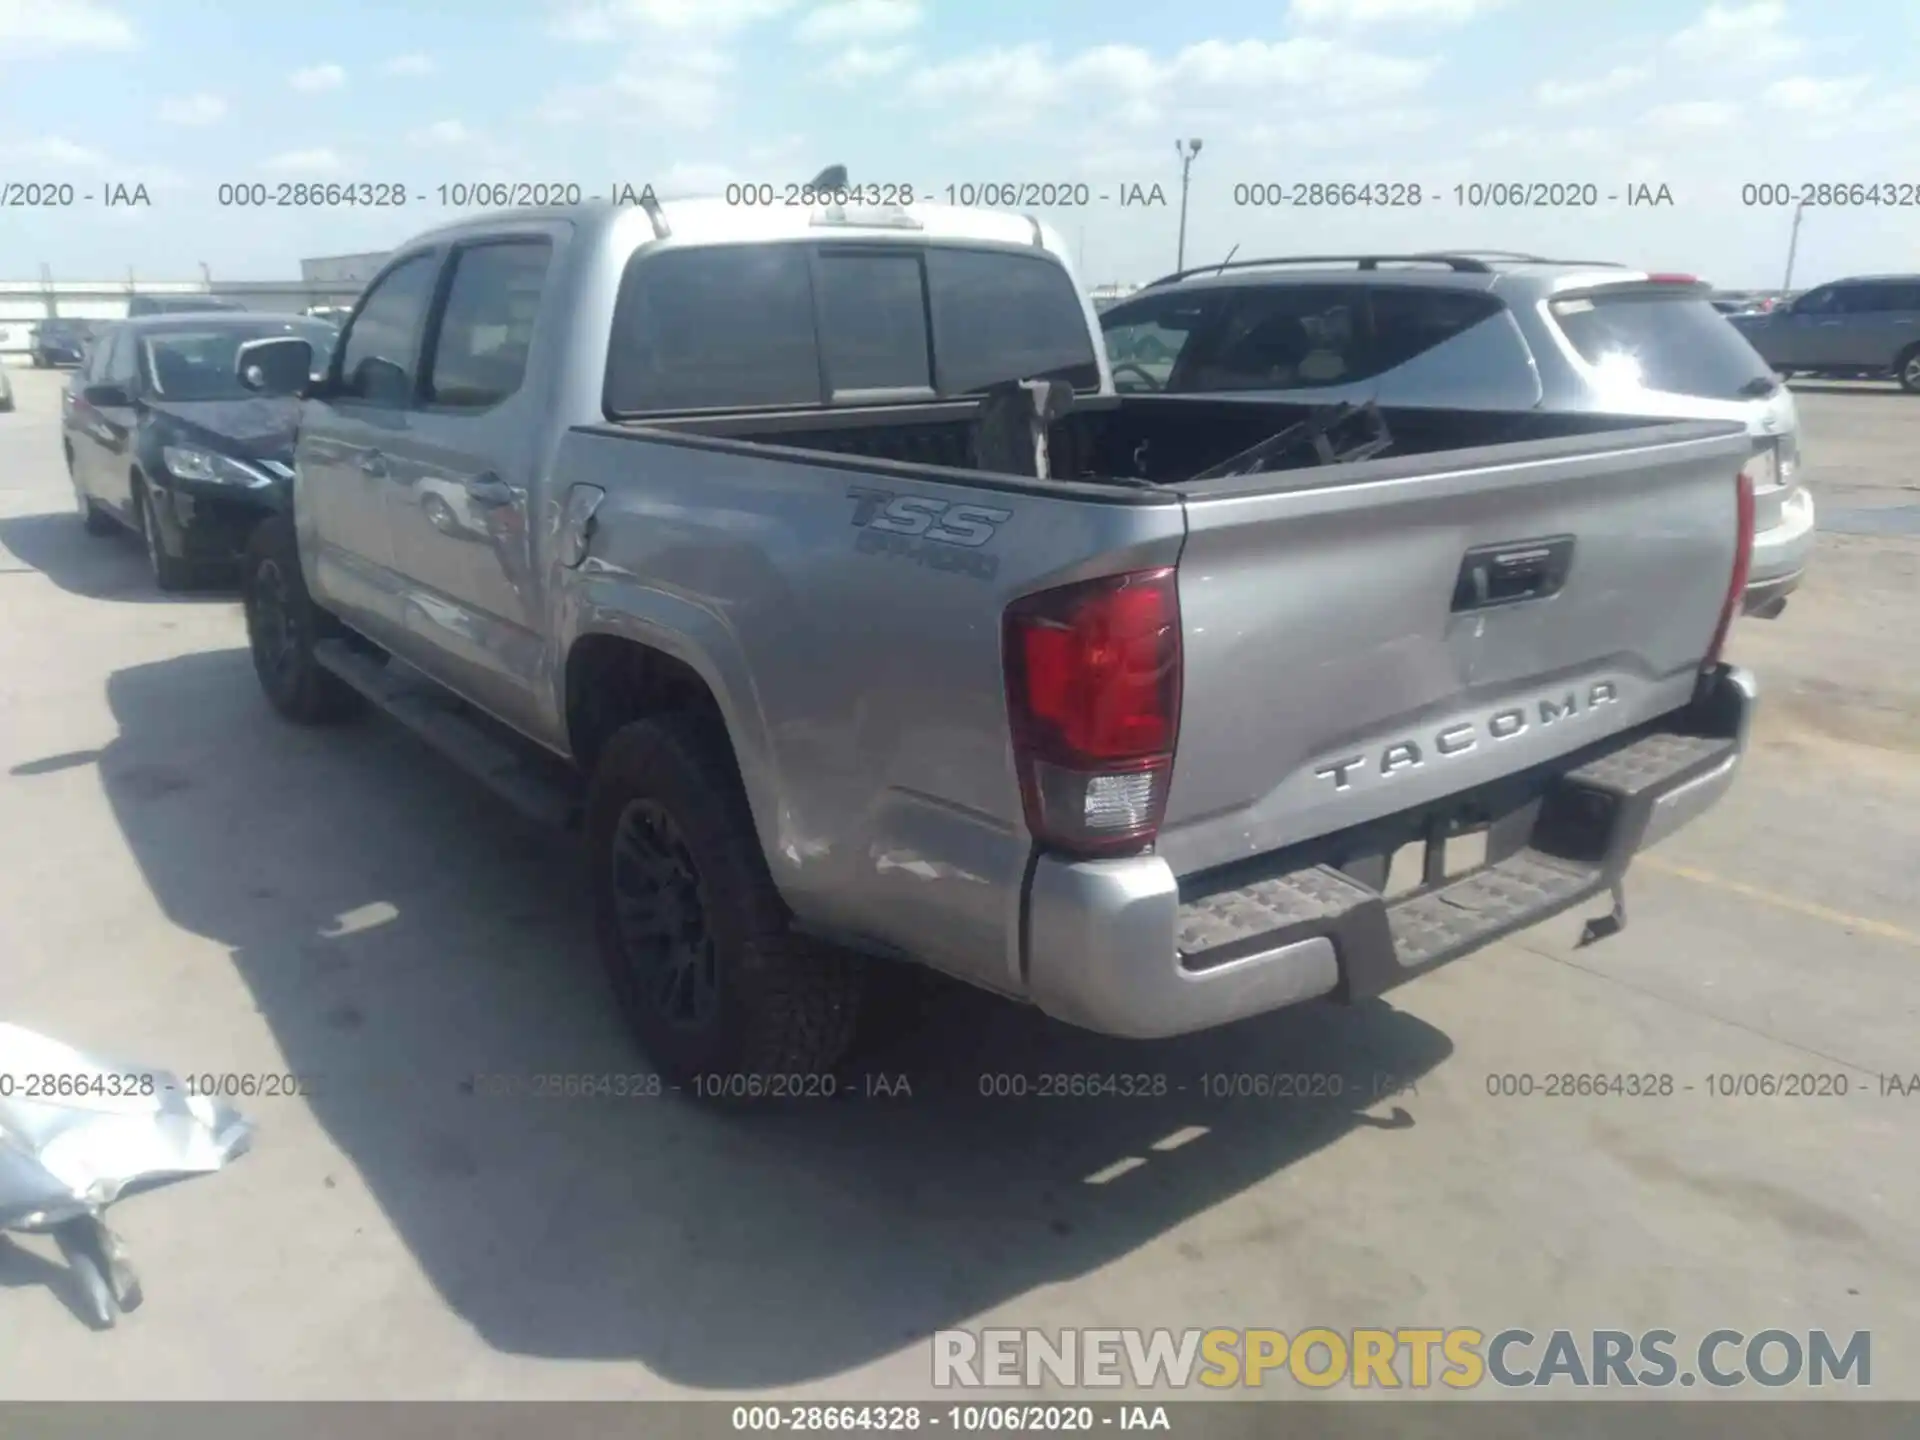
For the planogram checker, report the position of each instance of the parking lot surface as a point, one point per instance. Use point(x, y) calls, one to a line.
point(187, 881)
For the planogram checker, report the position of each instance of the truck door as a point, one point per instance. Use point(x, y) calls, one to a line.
point(461, 502)
point(348, 436)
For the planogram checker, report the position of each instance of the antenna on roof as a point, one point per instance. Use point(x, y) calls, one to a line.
point(1228, 261)
point(834, 177)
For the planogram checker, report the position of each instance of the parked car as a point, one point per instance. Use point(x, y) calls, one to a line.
point(1868, 325)
point(163, 439)
point(877, 628)
point(6, 390)
point(143, 305)
point(1483, 330)
point(57, 342)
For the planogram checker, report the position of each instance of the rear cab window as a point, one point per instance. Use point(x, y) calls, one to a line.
point(1665, 338)
point(796, 324)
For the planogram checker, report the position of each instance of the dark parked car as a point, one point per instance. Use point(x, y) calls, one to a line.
point(162, 438)
point(142, 305)
point(1869, 325)
point(57, 342)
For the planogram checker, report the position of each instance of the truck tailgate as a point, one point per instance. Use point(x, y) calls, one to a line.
point(1362, 640)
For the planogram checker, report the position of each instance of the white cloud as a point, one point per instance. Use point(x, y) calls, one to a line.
point(677, 70)
point(43, 26)
point(1549, 144)
point(410, 65)
point(320, 161)
point(202, 109)
point(1693, 115)
point(1375, 12)
point(1233, 83)
point(854, 20)
point(777, 152)
point(1752, 34)
point(861, 62)
point(318, 77)
point(442, 132)
point(611, 21)
point(53, 150)
point(1575, 92)
point(1810, 94)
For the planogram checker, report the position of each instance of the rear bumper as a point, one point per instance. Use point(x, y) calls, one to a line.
point(1780, 554)
point(1121, 947)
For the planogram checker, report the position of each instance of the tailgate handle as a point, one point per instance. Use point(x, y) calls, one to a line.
point(1512, 571)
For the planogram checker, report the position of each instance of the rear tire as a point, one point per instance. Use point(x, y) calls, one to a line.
point(1907, 371)
point(724, 997)
point(283, 625)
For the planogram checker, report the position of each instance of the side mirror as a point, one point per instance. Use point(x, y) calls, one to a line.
point(381, 381)
point(106, 397)
point(275, 365)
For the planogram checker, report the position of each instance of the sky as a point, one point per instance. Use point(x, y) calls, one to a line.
point(182, 97)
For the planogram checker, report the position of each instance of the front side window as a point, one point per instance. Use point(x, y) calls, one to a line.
point(380, 350)
point(486, 330)
point(729, 326)
point(1145, 340)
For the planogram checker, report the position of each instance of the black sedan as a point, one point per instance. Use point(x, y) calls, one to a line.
point(162, 438)
point(57, 342)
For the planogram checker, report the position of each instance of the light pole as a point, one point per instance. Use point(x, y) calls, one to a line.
point(1793, 243)
point(1186, 150)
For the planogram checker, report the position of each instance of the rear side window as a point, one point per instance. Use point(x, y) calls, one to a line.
point(486, 329)
point(719, 328)
point(999, 316)
point(873, 318)
point(1678, 343)
point(1409, 321)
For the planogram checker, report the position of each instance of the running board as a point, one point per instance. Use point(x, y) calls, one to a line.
point(475, 743)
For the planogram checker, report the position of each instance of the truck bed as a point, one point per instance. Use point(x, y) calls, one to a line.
point(1339, 673)
point(1101, 441)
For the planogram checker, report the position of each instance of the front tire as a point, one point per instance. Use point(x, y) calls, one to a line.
point(283, 625)
point(724, 997)
point(170, 572)
point(1907, 371)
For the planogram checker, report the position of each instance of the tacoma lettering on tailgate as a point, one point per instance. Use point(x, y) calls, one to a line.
point(1465, 735)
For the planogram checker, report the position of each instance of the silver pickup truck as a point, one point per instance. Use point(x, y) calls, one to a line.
point(807, 562)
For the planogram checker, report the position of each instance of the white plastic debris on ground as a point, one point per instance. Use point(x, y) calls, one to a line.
point(78, 1133)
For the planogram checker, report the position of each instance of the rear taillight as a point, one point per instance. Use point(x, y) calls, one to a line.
point(1742, 563)
point(1093, 696)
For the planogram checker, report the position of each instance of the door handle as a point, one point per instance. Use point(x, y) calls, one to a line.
point(373, 463)
point(489, 490)
point(1505, 574)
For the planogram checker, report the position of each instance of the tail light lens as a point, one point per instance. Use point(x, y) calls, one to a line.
point(1093, 696)
point(1742, 565)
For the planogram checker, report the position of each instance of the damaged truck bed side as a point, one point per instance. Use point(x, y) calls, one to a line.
point(1126, 716)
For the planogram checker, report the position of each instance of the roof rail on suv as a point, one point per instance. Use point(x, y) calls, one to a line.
point(1463, 263)
point(1467, 262)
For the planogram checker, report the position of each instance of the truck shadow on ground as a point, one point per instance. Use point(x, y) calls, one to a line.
point(402, 935)
point(99, 567)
